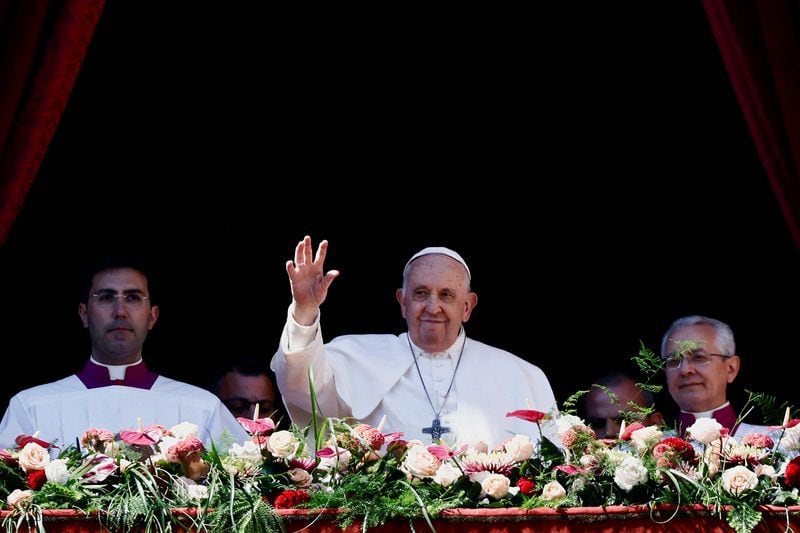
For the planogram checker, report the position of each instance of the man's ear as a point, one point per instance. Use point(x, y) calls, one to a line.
point(82, 314)
point(153, 317)
point(400, 300)
point(732, 367)
point(469, 305)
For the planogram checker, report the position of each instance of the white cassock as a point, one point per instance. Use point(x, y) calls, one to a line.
point(369, 376)
point(65, 409)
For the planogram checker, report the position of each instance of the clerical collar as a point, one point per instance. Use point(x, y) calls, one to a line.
point(95, 375)
point(709, 413)
point(452, 352)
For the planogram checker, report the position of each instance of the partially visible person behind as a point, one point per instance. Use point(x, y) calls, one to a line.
point(604, 411)
point(431, 382)
point(700, 362)
point(246, 383)
point(115, 388)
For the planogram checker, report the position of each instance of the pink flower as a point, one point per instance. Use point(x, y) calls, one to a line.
point(186, 450)
point(626, 435)
point(260, 426)
point(371, 435)
point(527, 414)
point(759, 440)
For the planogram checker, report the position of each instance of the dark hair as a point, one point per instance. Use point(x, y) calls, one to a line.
point(617, 377)
point(114, 262)
point(246, 365)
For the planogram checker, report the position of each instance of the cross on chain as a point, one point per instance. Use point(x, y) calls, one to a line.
point(436, 429)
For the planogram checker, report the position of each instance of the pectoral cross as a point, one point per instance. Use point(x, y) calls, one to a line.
point(436, 429)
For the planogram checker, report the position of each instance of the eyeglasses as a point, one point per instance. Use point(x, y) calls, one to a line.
point(109, 298)
point(244, 408)
point(696, 358)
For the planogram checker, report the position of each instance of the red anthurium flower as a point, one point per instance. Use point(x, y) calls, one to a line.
point(626, 435)
point(444, 452)
point(528, 414)
point(22, 440)
point(137, 438)
point(569, 469)
point(260, 426)
point(7, 457)
point(326, 452)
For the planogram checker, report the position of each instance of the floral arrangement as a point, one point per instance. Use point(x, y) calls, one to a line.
point(137, 478)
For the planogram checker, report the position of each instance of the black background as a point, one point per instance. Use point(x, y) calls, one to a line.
point(590, 164)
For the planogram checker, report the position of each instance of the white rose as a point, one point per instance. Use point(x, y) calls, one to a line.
point(738, 479)
point(564, 423)
point(643, 438)
point(552, 491)
point(283, 444)
point(520, 448)
point(19, 497)
point(446, 475)
point(300, 478)
point(494, 485)
point(589, 462)
point(766, 471)
point(56, 472)
point(184, 430)
point(33, 457)
point(705, 430)
point(629, 473)
point(790, 441)
point(420, 463)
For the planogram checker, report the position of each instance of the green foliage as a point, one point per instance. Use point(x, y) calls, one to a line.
point(771, 412)
point(743, 519)
point(571, 403)
point(10, 479)
point(245, 514)
point(648, 362)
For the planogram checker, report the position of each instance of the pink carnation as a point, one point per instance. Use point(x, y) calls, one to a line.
point(371, 435)
point(93, 438)
point(758, 440)
point(186, 450)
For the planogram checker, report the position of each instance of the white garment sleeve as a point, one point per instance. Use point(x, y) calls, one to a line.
point(301, 348)
point(15, 422)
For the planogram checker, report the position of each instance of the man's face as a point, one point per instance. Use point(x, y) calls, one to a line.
point(604, 415)
point(118, 328)
point(241, 393)
point(436, 301)
point(698, 388)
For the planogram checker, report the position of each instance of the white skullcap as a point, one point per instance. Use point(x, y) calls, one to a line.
point(438, 250)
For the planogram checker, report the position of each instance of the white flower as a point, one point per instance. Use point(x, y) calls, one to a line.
point(564, 423)
point(494, 485)
point(446, 475)
point(56, 472)
point(552, 491)
point(643, 438)
point(589, 462)
point(299, 477)
point(283, 444)
point(739, 479)
point(184, 430)
point(341, 461)
point(629, 473)
point(102, 466)
point(520, 448)
point(249, 452)
point(790, 441)
point(19, 497)
point(33, 457)
point(705, 430)
point(191, 489)
point(166, 443)
point(766, 471)
point(420, 463)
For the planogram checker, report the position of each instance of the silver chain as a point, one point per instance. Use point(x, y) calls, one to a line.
point(452, 379)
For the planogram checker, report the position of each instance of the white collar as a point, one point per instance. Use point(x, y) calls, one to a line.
point(452, 352)
point(115, 372)
point(707, 414)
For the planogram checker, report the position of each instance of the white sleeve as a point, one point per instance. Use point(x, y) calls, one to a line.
point(291, 364)
point(15, 422)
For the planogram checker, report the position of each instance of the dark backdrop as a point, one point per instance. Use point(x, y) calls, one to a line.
point(592, 166)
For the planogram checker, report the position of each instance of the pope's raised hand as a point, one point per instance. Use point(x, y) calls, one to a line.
point(308, 280)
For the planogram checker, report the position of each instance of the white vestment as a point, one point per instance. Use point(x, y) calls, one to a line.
point(64, 409)
point(369, 376)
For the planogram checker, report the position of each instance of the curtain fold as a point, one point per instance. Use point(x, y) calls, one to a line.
point(42, 46)
point(759, 42)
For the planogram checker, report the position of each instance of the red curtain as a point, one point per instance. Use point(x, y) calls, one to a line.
point(42, 46)
point(760, 45)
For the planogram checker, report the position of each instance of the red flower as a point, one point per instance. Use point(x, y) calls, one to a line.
point(681, 446)
point(527, 414)
point(792, 475)
point(291, 498)
point(526, 486)
point(36, 479)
